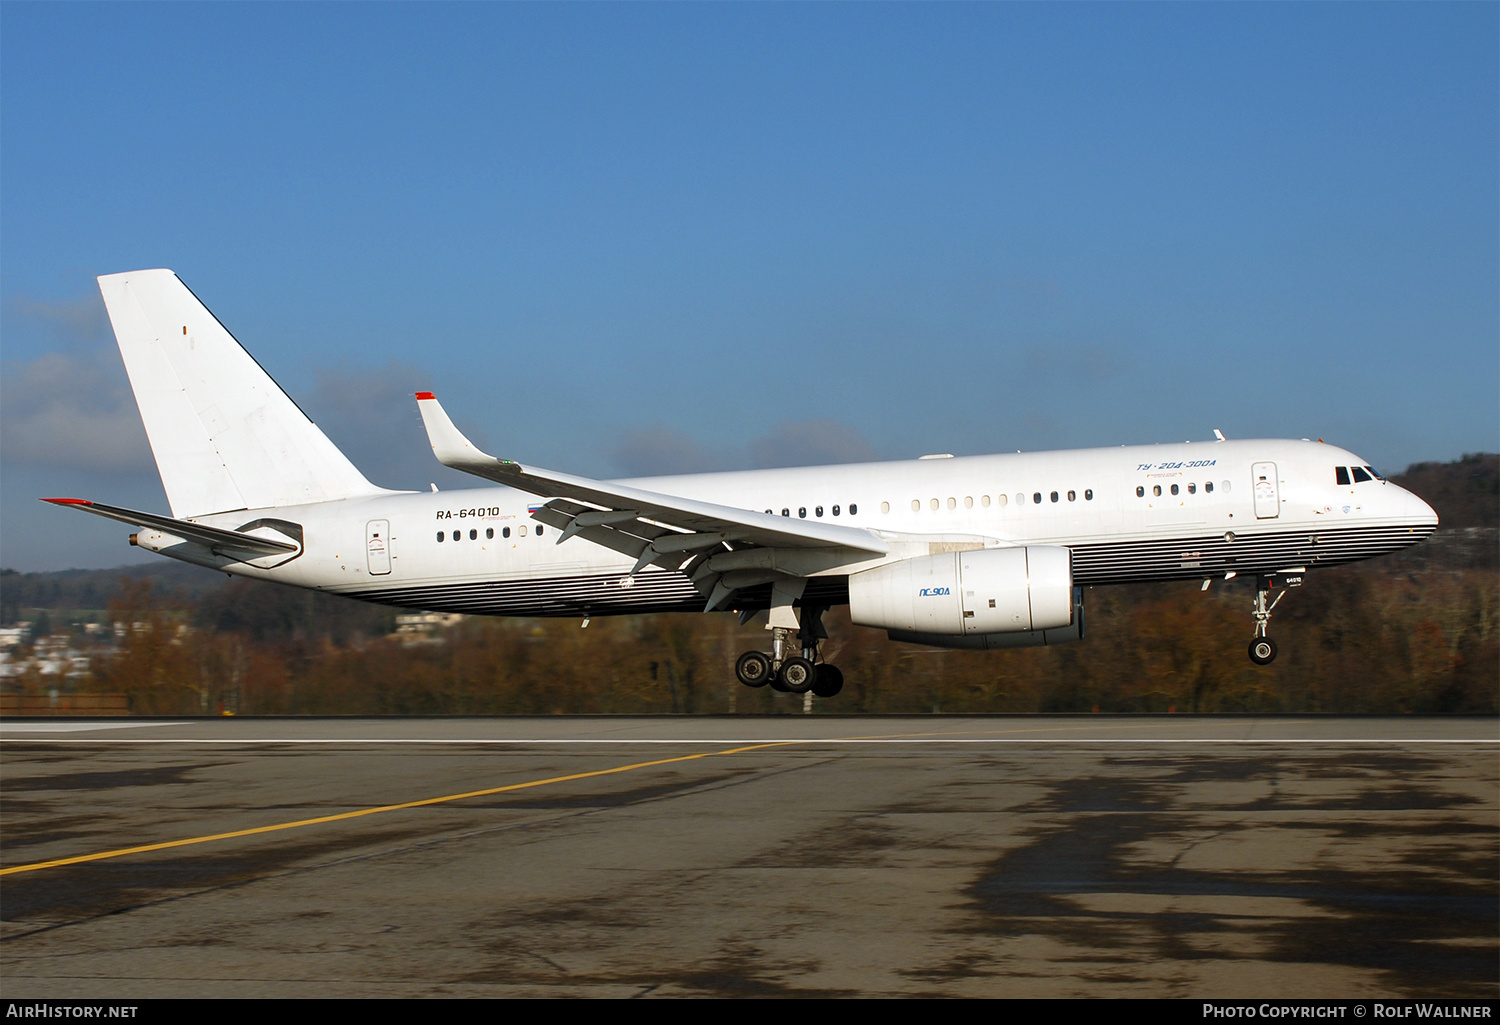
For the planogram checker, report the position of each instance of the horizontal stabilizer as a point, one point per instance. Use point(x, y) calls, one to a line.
point(213, 537)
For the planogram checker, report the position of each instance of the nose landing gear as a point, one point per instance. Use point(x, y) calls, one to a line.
point(1262, 648)
point(1262, 651)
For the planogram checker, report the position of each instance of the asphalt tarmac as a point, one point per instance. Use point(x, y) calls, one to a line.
point(1085, 856)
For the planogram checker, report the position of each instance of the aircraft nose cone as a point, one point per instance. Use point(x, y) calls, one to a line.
point(1420, 510)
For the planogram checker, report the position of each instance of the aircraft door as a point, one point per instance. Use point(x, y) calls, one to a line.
point(378, 547)
point(1267, 494)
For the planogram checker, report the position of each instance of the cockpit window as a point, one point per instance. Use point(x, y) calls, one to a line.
point(1360, 475)
point(1341, 475)
point(1373, 473)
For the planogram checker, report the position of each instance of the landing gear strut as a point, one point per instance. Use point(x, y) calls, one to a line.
point(787, 671)
point(1262, 648)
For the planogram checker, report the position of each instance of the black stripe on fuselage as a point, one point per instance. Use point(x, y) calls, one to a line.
point(599, 595)
point(1124, 562)
point(1213, 554)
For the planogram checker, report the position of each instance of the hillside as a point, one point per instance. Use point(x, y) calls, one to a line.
point(1465, 493)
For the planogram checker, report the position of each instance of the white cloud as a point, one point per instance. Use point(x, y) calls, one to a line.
point(371, 415)
point(72, 411)
point(72, 321)
point(810, 443)
point(648, 451)
point(1064, 359)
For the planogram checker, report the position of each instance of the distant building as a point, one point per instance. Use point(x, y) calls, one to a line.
point(425, 627)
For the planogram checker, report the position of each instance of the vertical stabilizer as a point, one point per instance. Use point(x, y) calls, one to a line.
point(225, 436)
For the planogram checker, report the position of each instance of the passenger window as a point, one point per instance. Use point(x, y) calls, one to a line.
point(835, 510)
point(885, 507)
point(1208, 487)
point(853, 509)
point(1140, 492)
point(521, 530)
point(968, 501)
point(1020, 499)
point(441, 537)
point(539, 530)
point(1054, 496)
point(473, 535)
point(1036, 498)
point(1174, 489)
point(457, 534)
point(818, 511)
point(1156, 490)
point(489, 533)
point(786, 512)
point(984, 500)
point(1088, 495)
point(935, 504)
point(1002, 499)
point(802, 512)
point(1192, 489)
point(916, 504)
point(1341, 475)
point(952, 503)
point(1224, 484)
point(1072, 496)
point(1360, 476)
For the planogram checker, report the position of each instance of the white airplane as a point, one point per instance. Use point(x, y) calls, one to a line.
point(973, 552)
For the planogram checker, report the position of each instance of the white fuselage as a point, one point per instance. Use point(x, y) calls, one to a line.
point(1127, 514)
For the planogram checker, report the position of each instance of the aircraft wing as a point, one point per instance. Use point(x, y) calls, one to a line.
point(213, 537)
point(654, 527)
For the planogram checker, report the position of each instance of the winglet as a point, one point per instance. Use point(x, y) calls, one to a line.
point(452, 448)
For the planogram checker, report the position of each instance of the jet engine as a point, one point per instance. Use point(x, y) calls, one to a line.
point(988, 598)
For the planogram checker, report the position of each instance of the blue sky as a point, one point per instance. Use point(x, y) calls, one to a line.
point(632, 238)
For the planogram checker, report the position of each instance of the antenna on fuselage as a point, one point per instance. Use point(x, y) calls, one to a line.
point(1219, 435)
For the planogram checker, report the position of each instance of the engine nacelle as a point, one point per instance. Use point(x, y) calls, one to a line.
point(990, 642)
point(988, 591)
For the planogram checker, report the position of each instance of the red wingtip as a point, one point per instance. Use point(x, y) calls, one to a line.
point(68, 501)
point(425, 395)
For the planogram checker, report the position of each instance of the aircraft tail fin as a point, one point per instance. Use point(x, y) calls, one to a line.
point(225, 436)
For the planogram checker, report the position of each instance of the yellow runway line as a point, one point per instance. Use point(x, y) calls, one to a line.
point(103, 855)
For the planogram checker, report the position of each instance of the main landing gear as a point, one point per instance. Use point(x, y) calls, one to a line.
point(791, 673)
point(1262, 648)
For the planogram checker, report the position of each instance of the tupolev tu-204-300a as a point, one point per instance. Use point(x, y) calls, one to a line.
point(973, 552)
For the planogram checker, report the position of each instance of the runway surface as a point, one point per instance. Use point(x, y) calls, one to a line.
point(622, 856)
